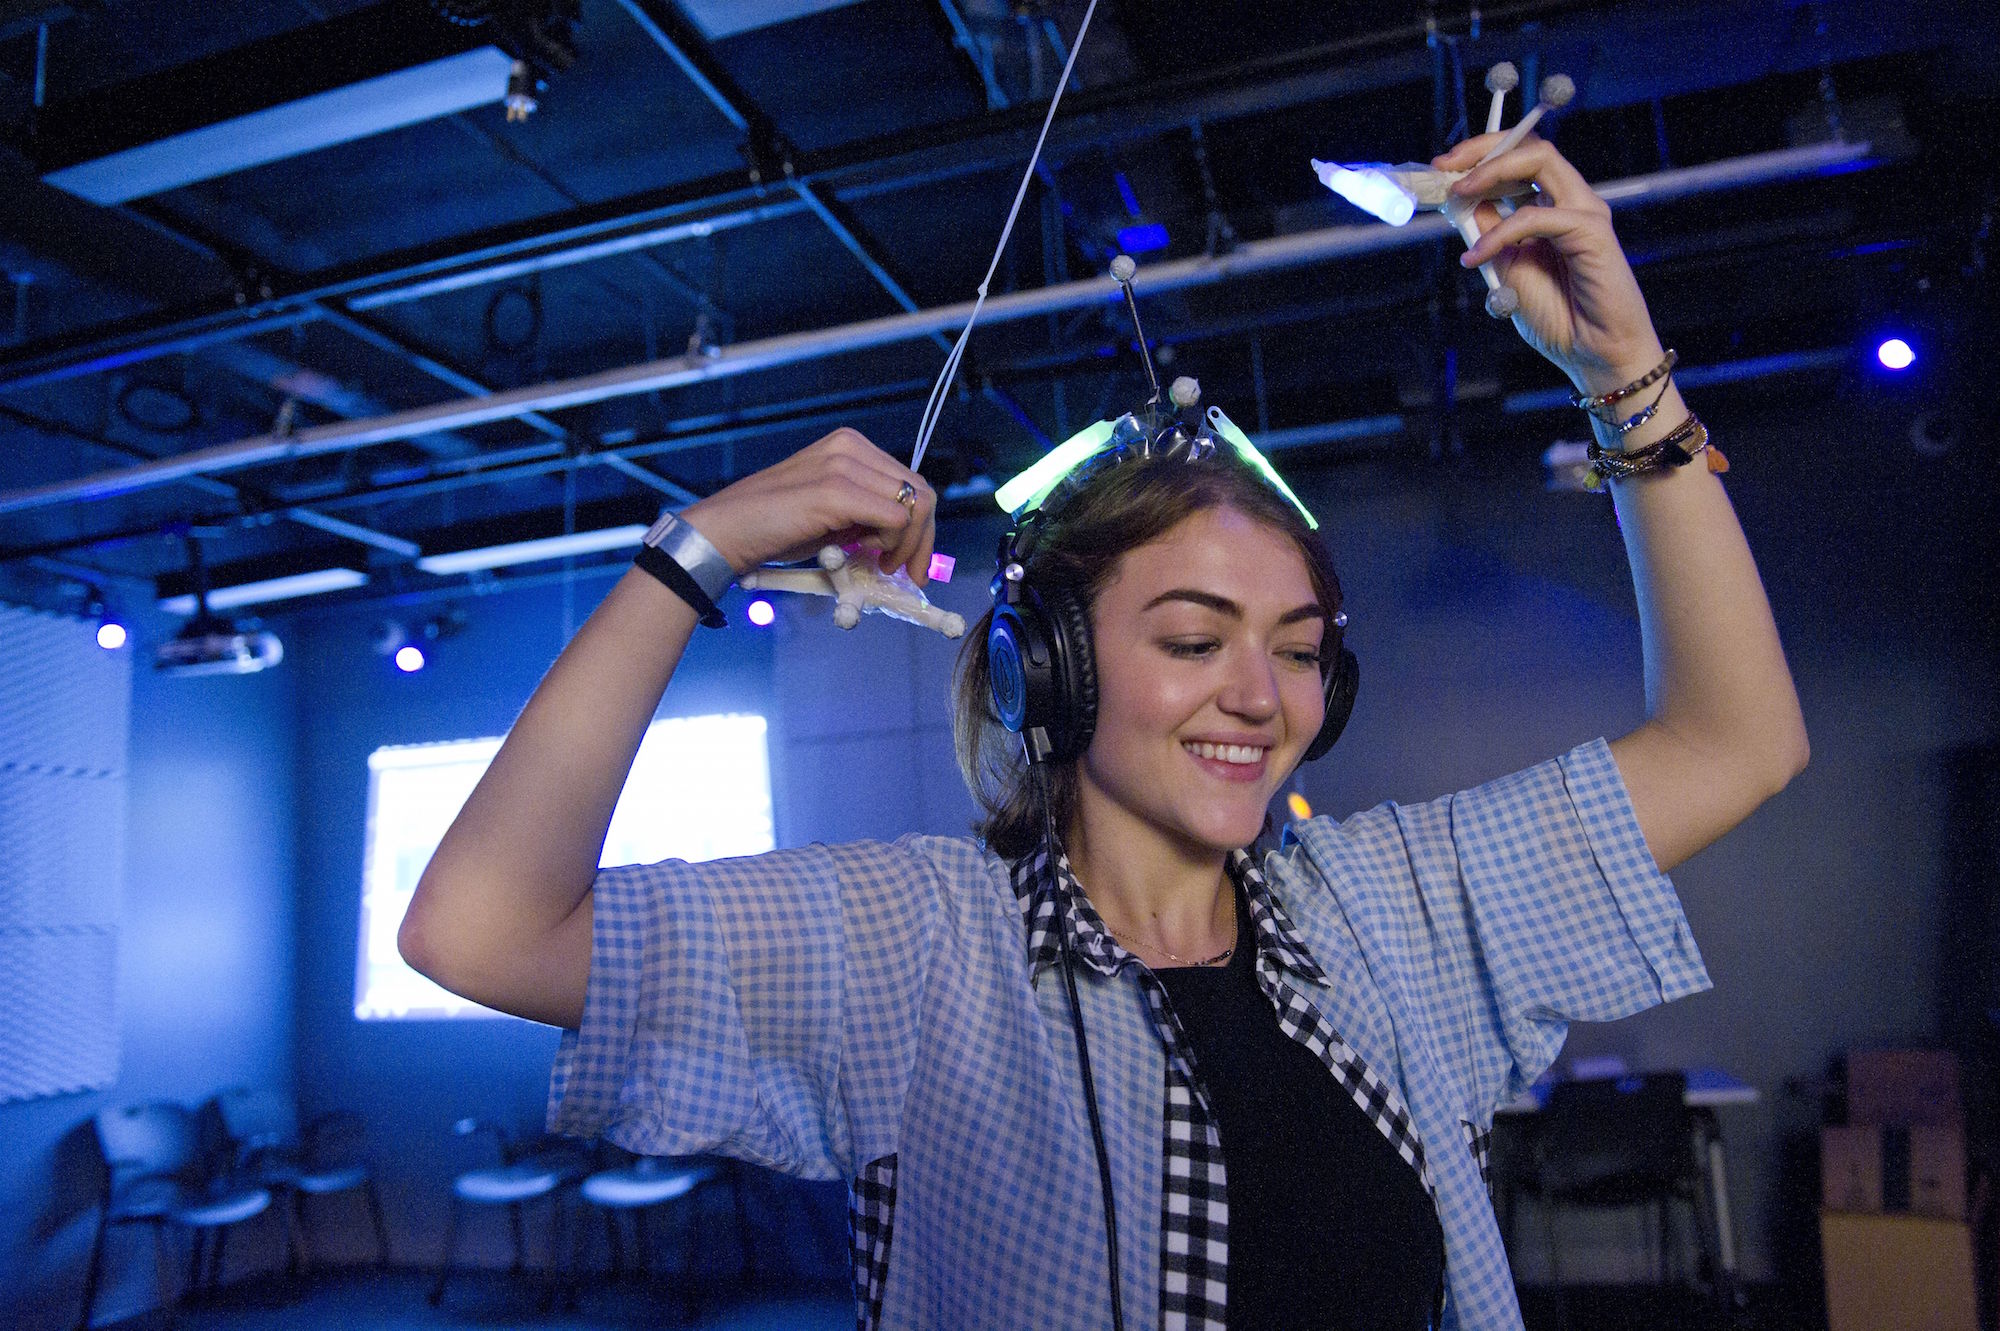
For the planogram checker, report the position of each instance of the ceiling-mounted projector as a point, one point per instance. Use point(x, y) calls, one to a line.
point(211, 646)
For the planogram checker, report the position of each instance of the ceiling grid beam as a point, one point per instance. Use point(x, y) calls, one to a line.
point(1255, 257)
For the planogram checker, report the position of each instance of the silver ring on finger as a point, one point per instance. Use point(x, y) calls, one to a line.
point(907, 497)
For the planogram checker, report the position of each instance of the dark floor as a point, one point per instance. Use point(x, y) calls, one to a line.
point(1600, 1308)
point(366, 1300)
point(370, 1300)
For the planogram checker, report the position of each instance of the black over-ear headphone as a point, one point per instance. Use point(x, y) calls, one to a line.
point(1043, 672)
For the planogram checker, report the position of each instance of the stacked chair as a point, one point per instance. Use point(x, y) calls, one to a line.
point(157, 1173)
point(319, 1160)
point(528, 1171)
point(640, 1185)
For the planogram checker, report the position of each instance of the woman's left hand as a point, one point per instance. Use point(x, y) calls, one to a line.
point(1580, 304)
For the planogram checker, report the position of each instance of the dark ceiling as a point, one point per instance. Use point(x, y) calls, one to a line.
point(706, 181)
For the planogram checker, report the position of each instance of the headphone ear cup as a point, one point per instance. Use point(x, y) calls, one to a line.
point(1075, 671)
point(1009, 667)
point(1342, 682)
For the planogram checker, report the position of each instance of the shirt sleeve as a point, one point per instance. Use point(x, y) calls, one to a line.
point(763, 1007)
point(1516, 908)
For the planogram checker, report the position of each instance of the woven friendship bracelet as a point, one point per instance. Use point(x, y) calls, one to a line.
point(1677, 448)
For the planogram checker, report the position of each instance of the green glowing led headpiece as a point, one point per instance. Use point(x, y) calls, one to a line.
point(1072, 463)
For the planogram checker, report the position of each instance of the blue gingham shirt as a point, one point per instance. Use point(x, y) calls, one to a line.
point(819, 1010)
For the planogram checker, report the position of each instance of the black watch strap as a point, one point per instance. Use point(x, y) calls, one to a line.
point(681, 583)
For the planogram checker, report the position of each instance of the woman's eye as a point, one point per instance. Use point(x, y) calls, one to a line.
point(1190, 649)
point(1305, 656)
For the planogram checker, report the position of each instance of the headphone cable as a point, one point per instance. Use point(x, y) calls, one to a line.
point(1040, 775)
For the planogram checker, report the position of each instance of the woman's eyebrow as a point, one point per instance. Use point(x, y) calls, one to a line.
point(1224, 606)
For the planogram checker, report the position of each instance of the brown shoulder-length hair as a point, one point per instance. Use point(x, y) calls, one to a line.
point(1078, 550)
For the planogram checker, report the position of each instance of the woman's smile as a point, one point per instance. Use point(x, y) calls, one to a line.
point(1230, 762)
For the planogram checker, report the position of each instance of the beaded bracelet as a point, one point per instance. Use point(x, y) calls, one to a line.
point(1639, 417)
point(1596, 405)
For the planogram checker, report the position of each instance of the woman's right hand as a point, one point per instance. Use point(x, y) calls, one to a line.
point(840, 490)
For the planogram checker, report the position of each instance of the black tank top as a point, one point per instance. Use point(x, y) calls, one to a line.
point(1328, 1226)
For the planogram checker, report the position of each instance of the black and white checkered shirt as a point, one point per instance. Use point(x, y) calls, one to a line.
point(1194, 1197)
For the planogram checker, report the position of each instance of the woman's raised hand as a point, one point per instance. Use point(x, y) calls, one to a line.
point(1580, 304)
point(840, 490)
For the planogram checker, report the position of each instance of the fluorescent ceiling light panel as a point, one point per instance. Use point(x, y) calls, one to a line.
point(391, 101)
point(533, 552)
point(271, 589)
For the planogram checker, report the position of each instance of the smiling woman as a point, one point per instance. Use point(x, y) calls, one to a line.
point(1102, 1066)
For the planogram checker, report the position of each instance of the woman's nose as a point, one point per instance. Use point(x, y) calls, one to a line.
point(1252, 687)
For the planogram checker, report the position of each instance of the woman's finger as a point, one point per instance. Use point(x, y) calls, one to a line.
point(920, 565)
point(1462, 155)
point(858, 502)
point(901, 548)
point(1534, 162)
point(923, 536)
point(1568, 229)
point(897, 545)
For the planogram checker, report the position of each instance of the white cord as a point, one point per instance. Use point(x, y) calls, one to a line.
point(941, 390)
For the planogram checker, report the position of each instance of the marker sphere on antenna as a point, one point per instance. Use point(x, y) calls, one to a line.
point(1122, 268)
point(1184, 392)
point(1558, 89)
point(1503, 77)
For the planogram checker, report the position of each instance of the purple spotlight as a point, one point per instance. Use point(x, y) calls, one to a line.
point(410, 659)
point(110, 635)
point(1895, 354)
point(761, 614)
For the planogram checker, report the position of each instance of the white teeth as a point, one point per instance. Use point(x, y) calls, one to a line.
point(1228, 753)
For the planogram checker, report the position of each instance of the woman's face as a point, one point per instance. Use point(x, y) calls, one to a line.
point(1207, 646)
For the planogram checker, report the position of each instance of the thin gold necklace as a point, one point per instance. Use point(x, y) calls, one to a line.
point(1215, 960)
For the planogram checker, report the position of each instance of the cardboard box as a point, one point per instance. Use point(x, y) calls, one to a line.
point(1903, 1087)
point(1850, 1168)
point(1870, 1168)
point(1910, 1273)
point(1937, 1172)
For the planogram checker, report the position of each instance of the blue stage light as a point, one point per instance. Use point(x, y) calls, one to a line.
point(761, 614)
point(409, 659)
point(1142, 238)
point(1896, 354)
point(110, 635)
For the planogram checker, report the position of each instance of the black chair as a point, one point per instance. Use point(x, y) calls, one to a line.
point(319, 1160)
point(1620, 1142)
point(157, 1173)
point(538, 1168)
point(640, 1185)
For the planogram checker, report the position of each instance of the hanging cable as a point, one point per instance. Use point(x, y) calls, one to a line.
point(942, 389)
point(1040, 774)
